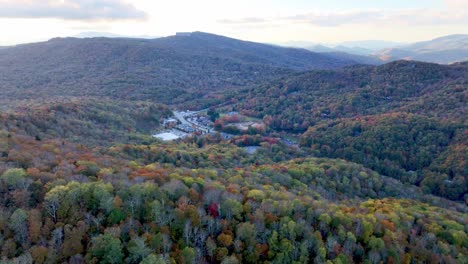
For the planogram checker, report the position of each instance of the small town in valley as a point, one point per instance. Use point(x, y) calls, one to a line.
point(184, 124)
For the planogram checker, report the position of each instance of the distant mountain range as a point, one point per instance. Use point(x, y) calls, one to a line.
point(371, 45)
point(448, 49)
point(170, 70)
point(191, 67)
point(360, 59)
point(363, 47)
point(340, 48)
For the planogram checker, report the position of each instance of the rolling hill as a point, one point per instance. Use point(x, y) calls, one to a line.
point(295, 102)
point(403, 119)
point(63, 202)
point(171, 70)
point(89, 121)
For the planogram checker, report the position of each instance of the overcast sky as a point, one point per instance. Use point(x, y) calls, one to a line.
point(273, 21)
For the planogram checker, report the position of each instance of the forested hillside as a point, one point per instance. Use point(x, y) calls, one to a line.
point(412, 148)
point(295, 103)
point(170, 70)
point(87, 121)
point(64, 202)
point(317, 162)
point(406, 120)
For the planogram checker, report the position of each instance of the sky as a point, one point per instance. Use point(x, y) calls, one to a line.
point(268, 21)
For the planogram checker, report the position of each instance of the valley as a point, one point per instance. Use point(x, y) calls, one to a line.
point(199, 148)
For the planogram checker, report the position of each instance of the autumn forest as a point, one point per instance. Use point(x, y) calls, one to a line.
point(312, 159)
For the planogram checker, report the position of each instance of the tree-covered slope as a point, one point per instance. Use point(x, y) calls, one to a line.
point(66, 203)
point(87, 121)
point(411, 148)
point(404, 119)
point(296, 102)
point(170, 70)
point(379, 175)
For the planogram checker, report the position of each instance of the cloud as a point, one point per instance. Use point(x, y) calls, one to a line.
point(451, 15)
point(246, 20)
point(414, 17)
point(331, 19)
point(70, 9)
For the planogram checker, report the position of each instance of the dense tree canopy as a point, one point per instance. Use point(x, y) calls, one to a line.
point(411, 148)
point(353, 166)
point(296, 102)
point(56, 208)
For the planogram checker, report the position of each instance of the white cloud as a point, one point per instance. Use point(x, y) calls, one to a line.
point(70, 9)
point(246, 20)
point(453, 14)
point(412, 17)
point(331, 19)
point(272, 21)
